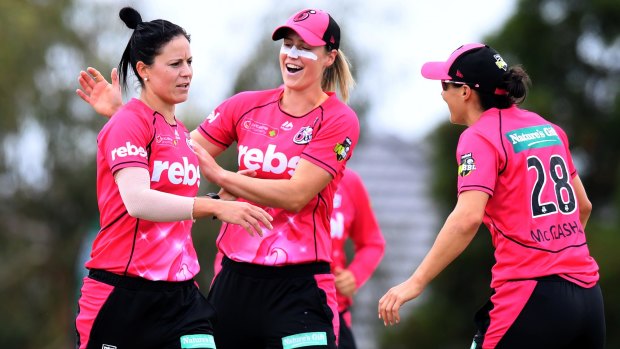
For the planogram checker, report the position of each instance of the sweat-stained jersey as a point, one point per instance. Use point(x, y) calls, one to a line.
point(354, 219)
point(523, 162)
point(137, 136)
point(272, 142)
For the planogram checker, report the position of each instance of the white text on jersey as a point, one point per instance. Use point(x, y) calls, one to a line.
point(128, 150)
point(178, 173)
point(270, 161)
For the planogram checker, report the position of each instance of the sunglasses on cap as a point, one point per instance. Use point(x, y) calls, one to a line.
point(446, 83)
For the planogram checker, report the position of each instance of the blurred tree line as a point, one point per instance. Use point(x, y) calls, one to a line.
point(48, 207)
point(571, 50)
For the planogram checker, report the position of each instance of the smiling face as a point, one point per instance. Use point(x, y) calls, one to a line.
point(302, 65)
point(167, 80)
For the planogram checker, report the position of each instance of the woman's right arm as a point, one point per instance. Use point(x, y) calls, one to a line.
point(143, 202)
point(103, 97)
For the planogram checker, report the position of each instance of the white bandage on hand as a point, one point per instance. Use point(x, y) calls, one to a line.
point(134, 185)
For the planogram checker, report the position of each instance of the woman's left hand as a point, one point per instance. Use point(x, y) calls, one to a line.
point(208, 166)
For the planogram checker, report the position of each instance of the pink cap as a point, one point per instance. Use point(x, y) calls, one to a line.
point(439, 70)
point(316, 28)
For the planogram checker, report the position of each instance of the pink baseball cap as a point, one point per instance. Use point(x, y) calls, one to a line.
point(477, 65)
point(316, 28)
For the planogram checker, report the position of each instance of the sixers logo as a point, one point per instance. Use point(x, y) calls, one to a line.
point(303, 136)
point(303, 15)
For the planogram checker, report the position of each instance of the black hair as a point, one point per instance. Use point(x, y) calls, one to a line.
point(145, 42)
point(516, 82)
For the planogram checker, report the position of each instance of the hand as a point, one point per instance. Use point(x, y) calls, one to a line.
point(224, 195)
point(105, 98)
point(246, 215)
point(398, 295)
point(208, 166)
point(345, 282)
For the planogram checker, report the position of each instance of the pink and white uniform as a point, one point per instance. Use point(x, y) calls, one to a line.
point(272, 142)
point(137, 136)
point(523, 161)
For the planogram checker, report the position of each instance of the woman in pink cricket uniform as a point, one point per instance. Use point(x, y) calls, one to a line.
point(140, 291)
point(277, 291)
point(515, 174)
point(353, 219)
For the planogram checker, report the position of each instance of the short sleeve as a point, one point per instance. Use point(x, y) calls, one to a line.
point(478, 163)
point(332, 145)
point(124, 141)
point(219, 126)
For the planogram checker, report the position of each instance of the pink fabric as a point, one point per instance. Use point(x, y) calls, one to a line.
point(353, 218)
point(272, 143)
point(508, 301)
point(527, 245)
point(326, 283)
point(151, 250)
point(439, 70)
point(94, 295)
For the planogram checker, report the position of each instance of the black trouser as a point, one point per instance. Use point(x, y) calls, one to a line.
point(558, 315)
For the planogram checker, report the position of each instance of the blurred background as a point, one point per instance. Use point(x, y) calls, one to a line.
point(48, 209)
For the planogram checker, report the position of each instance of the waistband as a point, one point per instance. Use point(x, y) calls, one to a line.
point(551, 278)
point(275, 272)
point(136, 283)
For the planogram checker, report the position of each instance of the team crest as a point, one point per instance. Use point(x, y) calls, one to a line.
point(468, 164)
point(342, 149)
point(499, 61)
point(303, 136)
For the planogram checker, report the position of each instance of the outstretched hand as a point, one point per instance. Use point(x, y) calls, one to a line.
point(105, 98)
point(250, 217)
point(390, 303)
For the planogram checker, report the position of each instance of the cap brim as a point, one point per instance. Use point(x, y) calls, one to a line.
point(305, 34)
point(436, 71)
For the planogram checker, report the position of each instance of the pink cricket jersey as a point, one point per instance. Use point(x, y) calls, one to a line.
point(137, 136)
point(353, 218)
point(523, 162)
point(272, 142)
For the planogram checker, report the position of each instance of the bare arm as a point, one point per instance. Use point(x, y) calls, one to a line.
point(585, 206)
point(455, 235)
point(143, 202)
point(291, 194)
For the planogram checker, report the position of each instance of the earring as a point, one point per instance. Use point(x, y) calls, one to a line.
point(146, 79)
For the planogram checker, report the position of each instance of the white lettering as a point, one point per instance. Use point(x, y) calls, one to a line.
point(128, 149)
point(271, 161)
point(178, 173)
point(337, 225)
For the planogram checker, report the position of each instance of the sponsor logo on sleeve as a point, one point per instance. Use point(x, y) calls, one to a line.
point(128, 150)
point(211, 117)
point(468, 164)
point(342, 149)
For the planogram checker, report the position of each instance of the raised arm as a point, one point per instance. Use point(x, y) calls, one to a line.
point(103, 97)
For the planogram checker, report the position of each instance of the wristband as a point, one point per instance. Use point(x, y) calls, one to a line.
point(213, 196)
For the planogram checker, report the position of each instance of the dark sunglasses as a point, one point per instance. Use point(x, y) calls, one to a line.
point(446, 83)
